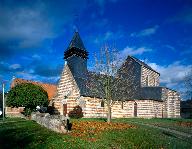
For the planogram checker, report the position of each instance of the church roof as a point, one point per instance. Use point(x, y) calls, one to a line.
point(92, 85)
point(76, 47)
point(151, 92)
point(142, 63)
point(51, 89)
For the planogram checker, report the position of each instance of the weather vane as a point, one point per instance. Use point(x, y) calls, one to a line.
point(76, 21)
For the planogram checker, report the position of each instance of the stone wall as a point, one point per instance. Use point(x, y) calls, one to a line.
point(14, 112)
point(53, 122)
point(145, 108)
point(172, 103)
point(92, 108)
point(149, 77)
point(169, 107)
point(67, 87)
point(68, 96)
point(149, 108)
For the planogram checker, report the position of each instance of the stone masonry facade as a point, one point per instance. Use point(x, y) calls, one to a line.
point(91, 106)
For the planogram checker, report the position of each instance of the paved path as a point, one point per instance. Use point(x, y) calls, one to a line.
point(178, 133)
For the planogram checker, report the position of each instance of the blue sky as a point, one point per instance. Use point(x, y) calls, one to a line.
point(34, 35)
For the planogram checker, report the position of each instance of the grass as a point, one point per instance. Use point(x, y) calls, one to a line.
point(171, 123)
point(19, 133)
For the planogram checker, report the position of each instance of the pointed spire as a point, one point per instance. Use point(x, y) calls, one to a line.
point(76, 42)
point(76, 47)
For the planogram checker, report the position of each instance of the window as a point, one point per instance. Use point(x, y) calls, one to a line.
point(122, 105)
point(147, 81)
point(102, 103)
point(154, 81)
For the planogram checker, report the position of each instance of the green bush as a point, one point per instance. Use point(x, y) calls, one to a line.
point(27, 111)
point(27, 95)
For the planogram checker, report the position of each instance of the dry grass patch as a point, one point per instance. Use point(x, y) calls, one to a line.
point(184, 124)
point(90, 129)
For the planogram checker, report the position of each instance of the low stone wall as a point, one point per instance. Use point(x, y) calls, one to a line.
point(14, 112)
point(57, 123)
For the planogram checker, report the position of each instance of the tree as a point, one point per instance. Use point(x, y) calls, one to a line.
point(111, 80)
point(188, 84)
point(27, 95)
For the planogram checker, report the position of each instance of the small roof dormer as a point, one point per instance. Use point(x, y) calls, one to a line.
point(76, 47)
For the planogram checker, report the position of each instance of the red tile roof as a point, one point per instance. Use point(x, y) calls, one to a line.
point(49, 88)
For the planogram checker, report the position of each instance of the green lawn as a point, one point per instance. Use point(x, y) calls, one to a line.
point(171, 123)
point(19, 133)
point(175, 124)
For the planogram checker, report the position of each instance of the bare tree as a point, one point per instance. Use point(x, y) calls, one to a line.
point(111, 80)
point(188, 84)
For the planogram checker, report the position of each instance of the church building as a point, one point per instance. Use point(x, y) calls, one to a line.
point(148, 101)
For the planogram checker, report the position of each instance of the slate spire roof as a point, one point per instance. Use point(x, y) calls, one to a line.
point(76, 42)
point(76, 47)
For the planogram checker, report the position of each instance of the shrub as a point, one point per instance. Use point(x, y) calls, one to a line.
point(27, 111)
point(51, 110)
point(27, 95)
point(76, 112)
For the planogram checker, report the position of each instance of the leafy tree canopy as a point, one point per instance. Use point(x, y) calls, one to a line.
point(27, 95)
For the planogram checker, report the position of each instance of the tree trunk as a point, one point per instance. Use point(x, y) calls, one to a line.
point(109, 114)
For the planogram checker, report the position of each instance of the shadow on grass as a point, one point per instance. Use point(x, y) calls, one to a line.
point(19, 135)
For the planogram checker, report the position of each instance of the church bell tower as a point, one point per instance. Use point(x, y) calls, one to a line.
point(76, 56)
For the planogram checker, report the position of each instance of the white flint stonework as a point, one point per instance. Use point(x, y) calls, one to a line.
point(53, 122)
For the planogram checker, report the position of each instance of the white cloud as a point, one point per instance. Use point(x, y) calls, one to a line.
point(134, 51)
point(173, 74)
point(30, 76)
point(146, 32)
point(108, 36)
point(15, 66)
point(26, 75)
point(28, 25)
point(36, 56)
point(169, 47)
point(31, 23)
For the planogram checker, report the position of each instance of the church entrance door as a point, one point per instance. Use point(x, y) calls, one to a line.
point(64, 109)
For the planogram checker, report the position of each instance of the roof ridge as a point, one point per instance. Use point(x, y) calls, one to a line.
point(39, 82)
point(142, 63)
